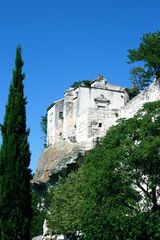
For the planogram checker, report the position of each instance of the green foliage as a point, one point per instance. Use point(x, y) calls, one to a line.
point(84, 83)
point(148, 53)
point(66, 205)
point(115, 194)
point(122, 178)
point(139, 77)
point(43, 125)
point(15, 176)
point(39, 215)
point(133, 91)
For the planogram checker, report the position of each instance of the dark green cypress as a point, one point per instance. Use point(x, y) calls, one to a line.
point(15, 159)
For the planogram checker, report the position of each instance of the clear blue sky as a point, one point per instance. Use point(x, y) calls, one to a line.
point(65, 41)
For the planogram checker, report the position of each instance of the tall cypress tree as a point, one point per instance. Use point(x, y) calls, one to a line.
point(15, 159)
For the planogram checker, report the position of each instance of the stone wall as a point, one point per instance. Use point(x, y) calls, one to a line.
point(150, 94)
point(51, 125)
point(85, 112)
point(69, 114)
point(97, 110)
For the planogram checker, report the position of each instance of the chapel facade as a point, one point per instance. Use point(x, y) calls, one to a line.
point(85, 113)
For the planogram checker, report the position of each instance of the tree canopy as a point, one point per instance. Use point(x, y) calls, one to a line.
point(116, 192)
point(66, 205)
point(84, 83)
point(148, 55)
point(15, 205)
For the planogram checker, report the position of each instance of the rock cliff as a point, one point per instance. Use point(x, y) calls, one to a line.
point(56, 159)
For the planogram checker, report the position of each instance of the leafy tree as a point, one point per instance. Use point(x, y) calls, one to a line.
point(133, 91)
point(39, 215)
point(148, 53)
point(139, 78)
point(84, 83)
point(122, 181)
point(116, 192)
point(66, 205)
point(15, 159)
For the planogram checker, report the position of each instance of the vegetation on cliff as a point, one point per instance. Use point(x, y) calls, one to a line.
point(15, 199)
point(39, 214)
point(43, 125)
point(84, 83)
point(148, 55)
point(115, 194)
point(67, 205)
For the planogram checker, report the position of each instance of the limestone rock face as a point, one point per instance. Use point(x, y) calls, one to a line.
point(55, 159)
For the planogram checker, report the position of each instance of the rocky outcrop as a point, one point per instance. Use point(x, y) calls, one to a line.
point(55, 159)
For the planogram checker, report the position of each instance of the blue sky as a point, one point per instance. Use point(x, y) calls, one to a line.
point(65, 41)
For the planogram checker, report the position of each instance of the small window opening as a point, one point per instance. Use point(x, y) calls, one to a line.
point(99, 106)
point(61, 115)
point(99, 124)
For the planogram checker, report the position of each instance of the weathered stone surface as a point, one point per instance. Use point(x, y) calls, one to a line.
point(55, 159)
point(38, 237)
point(69, 118)
point(76, 122)
point(150, 94)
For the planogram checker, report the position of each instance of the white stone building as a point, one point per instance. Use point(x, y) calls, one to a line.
point(85, 113)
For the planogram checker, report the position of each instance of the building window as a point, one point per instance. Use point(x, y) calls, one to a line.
point(61, 115)
point(116, 114)
point(101, 106)
point(99, 124)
